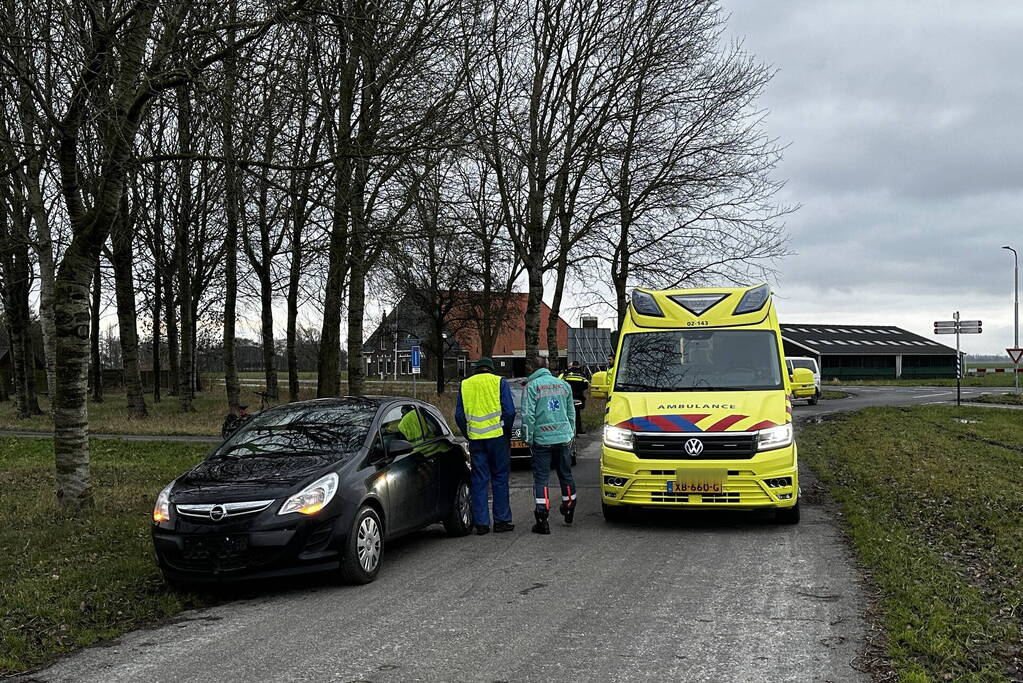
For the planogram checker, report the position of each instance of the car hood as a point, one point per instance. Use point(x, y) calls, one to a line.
point(719, 411)
point(225, 480)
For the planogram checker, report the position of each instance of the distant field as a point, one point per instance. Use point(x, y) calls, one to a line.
point(994, 380)
point(988, 364)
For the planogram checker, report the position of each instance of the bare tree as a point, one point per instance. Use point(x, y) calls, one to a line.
point(122, 258)
point(115, 60)
point(15, 285)
point(687, 165)
point(541, 104)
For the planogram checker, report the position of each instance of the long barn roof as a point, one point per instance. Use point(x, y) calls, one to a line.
point(862, 340)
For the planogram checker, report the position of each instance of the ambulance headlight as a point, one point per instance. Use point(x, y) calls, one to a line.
point(645, 304)
point(774, 437)
point(753, 300)
point(616, 437)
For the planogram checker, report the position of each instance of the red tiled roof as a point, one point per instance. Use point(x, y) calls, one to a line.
point(512, 339)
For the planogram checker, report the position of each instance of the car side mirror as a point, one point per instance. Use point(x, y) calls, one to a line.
point(398, 448)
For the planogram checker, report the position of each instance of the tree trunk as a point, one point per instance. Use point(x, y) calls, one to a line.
point(44, 252)
point(555, 313)
point(328, 366)
point(124, 287)
point(96, 362)
point(174, 367)
point(70, 405)
point(157, 304)
point(181, 249)
point(267, 333)
point(232, 199)
point(534, 303)
point(294, 278)
point(356, 311)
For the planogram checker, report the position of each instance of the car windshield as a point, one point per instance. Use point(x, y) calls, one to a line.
point(699, 360)
point(808, 364)
point(339, 429)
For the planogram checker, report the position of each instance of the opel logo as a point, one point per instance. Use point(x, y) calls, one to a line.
point(693, 448)
point(218, 512)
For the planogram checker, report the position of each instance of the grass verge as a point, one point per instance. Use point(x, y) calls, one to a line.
point(70, 582)
point(1001, 399)
point(931, 500)
point(994, 380)
point(832, 395)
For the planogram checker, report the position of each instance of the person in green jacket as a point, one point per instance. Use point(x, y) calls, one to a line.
point(548, 426)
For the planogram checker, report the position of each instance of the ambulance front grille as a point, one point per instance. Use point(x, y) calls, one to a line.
point(714, 446)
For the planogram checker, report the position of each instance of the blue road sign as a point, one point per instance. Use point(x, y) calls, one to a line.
point(417, 359)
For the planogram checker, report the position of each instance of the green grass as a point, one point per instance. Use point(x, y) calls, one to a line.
point(933, 508)
point(68, 583)
point(831, 395)
point(993, 380)
point(1001, 399)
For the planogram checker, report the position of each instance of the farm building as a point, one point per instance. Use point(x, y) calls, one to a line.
point(851, 352)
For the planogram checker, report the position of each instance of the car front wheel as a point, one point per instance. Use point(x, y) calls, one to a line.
point(364, 548)
point(459, 519)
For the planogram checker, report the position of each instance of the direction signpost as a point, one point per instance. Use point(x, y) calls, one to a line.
point(958, 327)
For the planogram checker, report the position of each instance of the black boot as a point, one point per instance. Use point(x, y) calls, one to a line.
point(567, 510)
point(543, 525)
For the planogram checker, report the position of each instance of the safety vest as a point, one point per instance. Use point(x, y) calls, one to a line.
point(481, 400)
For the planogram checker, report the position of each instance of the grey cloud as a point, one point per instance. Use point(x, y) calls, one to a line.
point(903, 120)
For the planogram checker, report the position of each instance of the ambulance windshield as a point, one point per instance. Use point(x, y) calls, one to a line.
point(700, 360)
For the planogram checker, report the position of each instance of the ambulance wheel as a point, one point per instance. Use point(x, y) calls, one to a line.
point(812, 401)
point(614, 513)
point(787, 515)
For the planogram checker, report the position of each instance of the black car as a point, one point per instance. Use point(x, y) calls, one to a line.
point(519, 448)
point(313, 486)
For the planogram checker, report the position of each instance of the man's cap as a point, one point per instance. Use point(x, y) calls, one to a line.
point(575, 364)
point(484, 363)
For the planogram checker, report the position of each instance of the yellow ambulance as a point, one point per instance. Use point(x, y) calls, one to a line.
point(699, 413)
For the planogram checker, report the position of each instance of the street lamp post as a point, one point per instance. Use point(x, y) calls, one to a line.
point(1015, 313)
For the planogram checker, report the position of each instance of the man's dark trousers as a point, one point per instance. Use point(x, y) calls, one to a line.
point(491, 460)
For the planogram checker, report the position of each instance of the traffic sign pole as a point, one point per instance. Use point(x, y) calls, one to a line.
point(416, 363)
point(958, 327)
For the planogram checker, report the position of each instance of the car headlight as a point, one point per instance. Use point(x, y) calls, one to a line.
point(161, 511)
point(312, 498)
point(774, 437)
point(616, 437)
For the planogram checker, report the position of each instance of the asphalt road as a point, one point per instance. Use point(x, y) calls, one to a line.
point(694, 596)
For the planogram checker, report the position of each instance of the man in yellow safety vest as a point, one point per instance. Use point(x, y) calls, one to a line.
point(485, 412)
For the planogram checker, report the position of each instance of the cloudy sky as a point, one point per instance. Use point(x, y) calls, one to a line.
point(904, 122)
